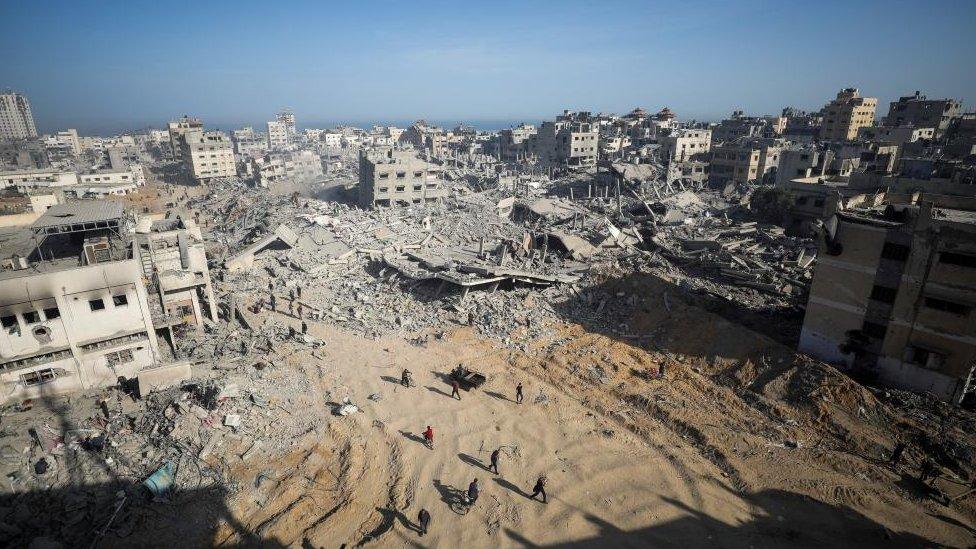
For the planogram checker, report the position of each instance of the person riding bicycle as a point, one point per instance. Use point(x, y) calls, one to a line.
point(473, 492)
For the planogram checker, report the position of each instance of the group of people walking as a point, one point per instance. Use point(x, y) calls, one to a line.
point(471, 496)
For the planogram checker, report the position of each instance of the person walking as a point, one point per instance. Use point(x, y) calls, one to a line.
point(540, 488)
point(429, 437)
point(274, 307)
point(494, 461)
point(405, 378)
point(424, 519)
point(473, 492)
point(518, 393)
point(455, 389)
point(304, 328)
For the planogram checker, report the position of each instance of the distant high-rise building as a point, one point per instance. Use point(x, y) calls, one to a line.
point(277, 135)
point(849, 112)
point(16, 120)
point(178, 130)
point(288, 119)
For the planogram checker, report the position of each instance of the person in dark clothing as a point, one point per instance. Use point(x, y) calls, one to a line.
point(896, 454)
point(473, 492)
point(299, 292)
point(429, 437)
point(405, 378)
point(455, 389)
point(274, 306)
point(304, 328)
point(518, 393)
point(494, 461)
point(424, 519)
point(540, 488)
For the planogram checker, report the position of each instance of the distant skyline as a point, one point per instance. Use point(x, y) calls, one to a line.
point(105, 67)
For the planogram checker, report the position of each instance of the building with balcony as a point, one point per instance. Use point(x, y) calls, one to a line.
point(389, 176)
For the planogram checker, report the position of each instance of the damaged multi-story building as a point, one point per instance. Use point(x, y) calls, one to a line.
point(917, 111)
point(744, 160)
point(846, 114)
point(291, 166)
point(513, 143)
point(177, 133)
point(572, 140)
point(73, 306)
point(208, 155)
point(893, 297)
point(83, 302)
point(390, 176)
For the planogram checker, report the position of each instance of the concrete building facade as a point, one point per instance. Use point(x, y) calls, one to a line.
point(920, 112)
point(277, 135)
point(208, 155)
point(685, 144)
point(16, 119)
point(292, 166)
point(70, 323)
point(177, 131)
point(389, 176)
point(893, 297)
point(572, 140)
point(847, 113)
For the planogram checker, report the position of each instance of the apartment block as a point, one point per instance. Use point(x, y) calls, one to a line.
point(177, 131)
point(248, 142)
point(743, 161)
point(897, 135)
point(893, 297)
point(685, 144)
point(920, 112)
point(389, 176)
point(277, 135)
point(288, 119)
point(16, 119)
point(208, 155)
point(846, 114)
point(572, 140)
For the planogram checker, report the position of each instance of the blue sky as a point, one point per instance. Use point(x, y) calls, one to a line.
point(104, 66)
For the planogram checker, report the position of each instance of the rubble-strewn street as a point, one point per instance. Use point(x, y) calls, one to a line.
point(328, 275)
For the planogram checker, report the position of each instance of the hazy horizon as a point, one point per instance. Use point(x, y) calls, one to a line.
point(123, 66)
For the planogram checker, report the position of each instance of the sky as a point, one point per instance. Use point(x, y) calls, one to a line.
point(104, 67)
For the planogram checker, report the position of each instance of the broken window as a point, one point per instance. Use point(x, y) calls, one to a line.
point(51, 313)
point(119, 357)
point(401, 175)
point(924, 357)
point(962, 260)
point(383, 189)
point(947, 306)
point(120, 300)
point(32, 317)
point(10, 324)
point(400, 188)
point(897, 252)
point(384, 175)
point(96, 304)
point(38, 377)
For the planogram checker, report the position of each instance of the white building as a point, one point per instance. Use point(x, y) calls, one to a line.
point(277, 135)
point(16, 120)
point(79, 318)
point(288, 119)
point(682, 145)
point(177, 130)
point(209, 155)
